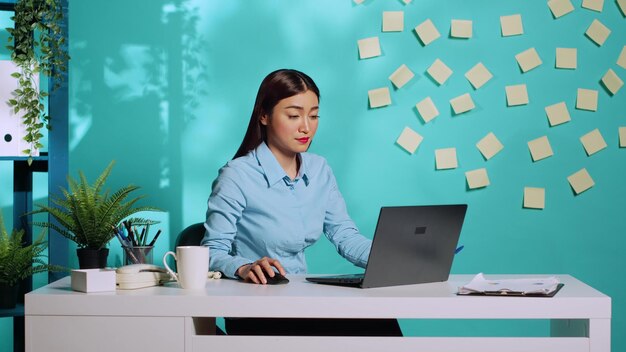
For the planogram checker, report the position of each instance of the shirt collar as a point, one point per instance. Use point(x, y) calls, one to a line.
point(272, 169)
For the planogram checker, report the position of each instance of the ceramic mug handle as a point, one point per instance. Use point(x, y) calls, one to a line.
point(169, 270)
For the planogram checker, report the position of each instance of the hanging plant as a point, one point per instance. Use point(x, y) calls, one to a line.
point(38, 47)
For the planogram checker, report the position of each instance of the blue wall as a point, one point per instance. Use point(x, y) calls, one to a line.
point(166, 89)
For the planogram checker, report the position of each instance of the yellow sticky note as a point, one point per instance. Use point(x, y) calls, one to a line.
point(462, 103)
point(446, 159)
point(557, 114)
point(427, 32)
point(477, 178)
point(560, 7)
point(516, 95)
point(534, 197)
point(540, 148)
point(587, 99)
point(593, 142)
point(427, 109)
point(528, 59)
point(621, 60)
point(580, 181)
point(478, 75)
point(612, 82)
point(409, 140)
point(598, 32)
point(511, 25)
point(595, 5)
point(622, 137)
point(393, 21)
point(439, 71)
point(489, 146)
point(622, 6)
point(461, 29)
point(566, 58)
point(379, 97)
point(369, 47)
point(401, 76)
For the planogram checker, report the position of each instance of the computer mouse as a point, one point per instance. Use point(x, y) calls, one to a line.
point(278, 279)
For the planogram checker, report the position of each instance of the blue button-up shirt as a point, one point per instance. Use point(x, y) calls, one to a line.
point(256, 210)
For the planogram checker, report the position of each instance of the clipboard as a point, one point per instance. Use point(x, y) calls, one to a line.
point(513, 293)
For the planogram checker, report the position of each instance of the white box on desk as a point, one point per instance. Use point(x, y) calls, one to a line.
point(12, 130)
point(93, 280)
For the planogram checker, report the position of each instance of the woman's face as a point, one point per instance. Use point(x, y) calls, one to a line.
point(292, 124)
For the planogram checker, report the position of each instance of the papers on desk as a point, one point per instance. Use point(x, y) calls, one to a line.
point(542, 287)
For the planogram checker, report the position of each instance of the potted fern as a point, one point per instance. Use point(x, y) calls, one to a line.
point(18, 262)
point(87, 215)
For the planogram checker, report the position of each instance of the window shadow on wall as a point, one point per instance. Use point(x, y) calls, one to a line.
point(135, 81)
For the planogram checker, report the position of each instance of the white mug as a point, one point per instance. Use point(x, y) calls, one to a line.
point(192, 263)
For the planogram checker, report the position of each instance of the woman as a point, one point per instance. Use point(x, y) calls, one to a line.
point(274, 199)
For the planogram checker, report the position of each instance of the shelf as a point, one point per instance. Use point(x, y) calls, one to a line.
point(18, 311)
point(7, 5)
point(42, 157)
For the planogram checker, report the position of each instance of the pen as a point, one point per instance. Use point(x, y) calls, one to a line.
point(155, 238)
point(460, 248)
point(142, 237)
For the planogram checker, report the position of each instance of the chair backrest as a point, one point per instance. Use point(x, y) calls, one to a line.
point(192, 235)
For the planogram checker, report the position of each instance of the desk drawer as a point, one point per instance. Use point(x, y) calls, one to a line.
point(104, 334)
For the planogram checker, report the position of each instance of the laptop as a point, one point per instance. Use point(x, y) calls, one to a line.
point(411, 245)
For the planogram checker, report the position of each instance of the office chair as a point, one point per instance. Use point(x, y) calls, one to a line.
point(192, 235)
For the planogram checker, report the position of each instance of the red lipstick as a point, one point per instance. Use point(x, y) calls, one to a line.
point(303, 140)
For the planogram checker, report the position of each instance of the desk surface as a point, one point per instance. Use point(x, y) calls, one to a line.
point(300, 298)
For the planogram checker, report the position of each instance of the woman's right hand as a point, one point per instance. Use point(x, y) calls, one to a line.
point(256, 272)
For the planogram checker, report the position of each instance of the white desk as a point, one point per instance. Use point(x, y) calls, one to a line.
point(171, 319)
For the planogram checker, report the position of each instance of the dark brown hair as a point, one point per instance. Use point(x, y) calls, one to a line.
point(277, 86)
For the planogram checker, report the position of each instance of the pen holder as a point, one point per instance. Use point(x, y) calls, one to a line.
point(138, 255)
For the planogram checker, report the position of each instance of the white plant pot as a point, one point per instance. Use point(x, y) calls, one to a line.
point(12, 130)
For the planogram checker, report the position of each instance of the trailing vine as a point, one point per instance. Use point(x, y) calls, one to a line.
point(38, 47)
